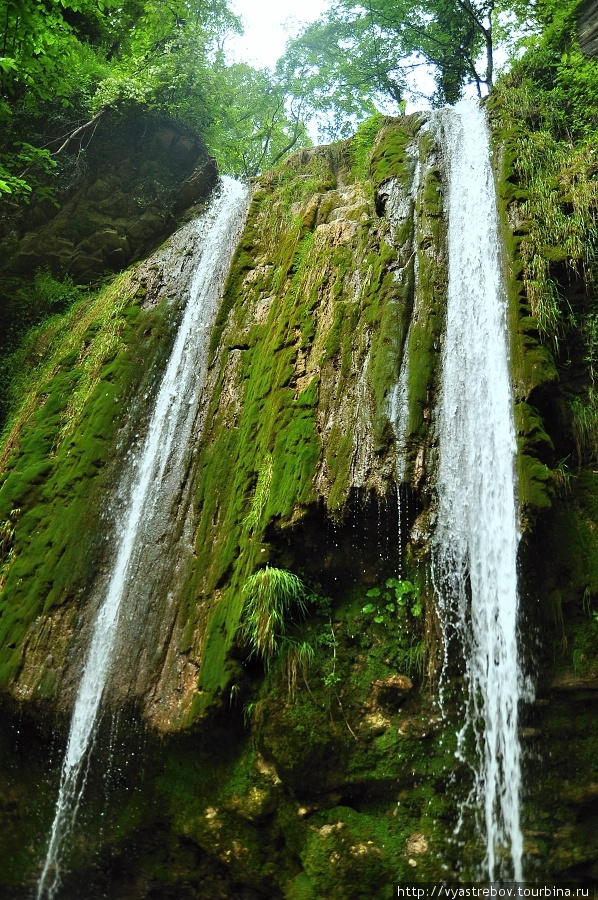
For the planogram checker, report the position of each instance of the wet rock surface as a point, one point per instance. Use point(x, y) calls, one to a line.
point(335, 774)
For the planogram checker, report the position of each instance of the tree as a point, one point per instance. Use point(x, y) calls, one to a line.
point(262, 125)
point(64, 64)
point(363, 51)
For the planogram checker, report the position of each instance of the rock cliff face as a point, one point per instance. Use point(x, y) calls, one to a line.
point(120, 197)
point(329, 772)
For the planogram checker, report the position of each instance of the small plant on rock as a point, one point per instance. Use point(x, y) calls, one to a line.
point(297, 660)
point(270, 595)
point(396, 596)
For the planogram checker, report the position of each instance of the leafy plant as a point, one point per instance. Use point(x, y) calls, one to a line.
point(396, 597)
point(270, 594)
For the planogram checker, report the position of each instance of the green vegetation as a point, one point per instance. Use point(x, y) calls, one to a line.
point(64, 66)
point(311, 303)
point(545, 138)
point(350, 61)
point(271, 594)
point(303, 752)
point(80, 374)
point(397, 597)
point(362, 144)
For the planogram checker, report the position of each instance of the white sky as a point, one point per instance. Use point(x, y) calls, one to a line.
point(268, 23)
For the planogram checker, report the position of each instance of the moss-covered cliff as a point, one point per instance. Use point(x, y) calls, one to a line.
point(325, 769)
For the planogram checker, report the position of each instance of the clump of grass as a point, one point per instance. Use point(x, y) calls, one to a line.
point(414, 658)
point(297, 660)
point(584, 424)
point(562, 476)
point(561, 209)
point(260, 497)
point(559, 203)
point(270, 595)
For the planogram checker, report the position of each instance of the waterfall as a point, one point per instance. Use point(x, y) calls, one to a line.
point(399, 397)
point(166, 445)
point(475, 545)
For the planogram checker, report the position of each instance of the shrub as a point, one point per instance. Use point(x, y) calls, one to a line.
point(270, 594)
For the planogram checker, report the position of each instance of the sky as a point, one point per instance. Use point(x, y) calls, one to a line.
point(267, 26)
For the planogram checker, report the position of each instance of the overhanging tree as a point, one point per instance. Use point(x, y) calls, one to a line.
point(65, 64)
point(363, 51)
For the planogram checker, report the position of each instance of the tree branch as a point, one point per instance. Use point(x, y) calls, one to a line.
point(78, 131)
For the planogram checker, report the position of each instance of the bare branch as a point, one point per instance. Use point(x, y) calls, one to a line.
point(78, 131)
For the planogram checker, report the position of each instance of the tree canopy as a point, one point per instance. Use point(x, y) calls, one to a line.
point(363, 51)
point(65, 63)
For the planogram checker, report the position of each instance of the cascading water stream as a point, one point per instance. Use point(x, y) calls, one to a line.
point(399, 398)
point(398, 209)
point(166, 445)
point(477, 533)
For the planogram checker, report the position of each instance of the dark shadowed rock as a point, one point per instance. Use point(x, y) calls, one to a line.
point(136, 181)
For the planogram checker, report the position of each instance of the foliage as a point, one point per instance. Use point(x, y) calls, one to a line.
point(270, 595)
point(354, 59)
point(64, 65)
point(397, 596)
point(26, 160)
point(546, 113)
point(260, 127)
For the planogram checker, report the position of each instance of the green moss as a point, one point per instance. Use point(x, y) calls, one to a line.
point(423, 347)
point(59, 452)
point(319, 325)
point(361, 144)
point(390, 158)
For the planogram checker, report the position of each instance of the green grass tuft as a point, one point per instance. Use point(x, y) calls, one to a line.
point(270, 595)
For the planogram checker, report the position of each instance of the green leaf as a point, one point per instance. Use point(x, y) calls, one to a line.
point(7, 64)
point(404, 587)
point(379, 619)
point(373, 592)
point(368, 608)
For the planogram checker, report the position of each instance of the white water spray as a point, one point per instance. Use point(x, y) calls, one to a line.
point(399, 397)
point(165, 448)
point(477, 533)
